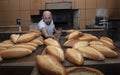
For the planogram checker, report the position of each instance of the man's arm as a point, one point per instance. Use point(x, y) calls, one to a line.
point(45, 34)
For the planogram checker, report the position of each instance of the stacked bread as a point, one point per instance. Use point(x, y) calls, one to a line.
point(20, 45)
point(50, 61)
point(90, 46)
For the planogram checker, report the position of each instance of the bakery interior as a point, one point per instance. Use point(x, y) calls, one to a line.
point(100, 18)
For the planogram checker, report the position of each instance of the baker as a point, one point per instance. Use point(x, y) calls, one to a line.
point(47, 27)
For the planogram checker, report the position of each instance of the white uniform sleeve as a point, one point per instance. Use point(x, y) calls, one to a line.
point(41, 24)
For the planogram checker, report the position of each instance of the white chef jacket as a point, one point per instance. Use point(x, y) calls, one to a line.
point(49, 28)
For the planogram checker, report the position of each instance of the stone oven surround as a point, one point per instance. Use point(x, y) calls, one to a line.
point(63, 14)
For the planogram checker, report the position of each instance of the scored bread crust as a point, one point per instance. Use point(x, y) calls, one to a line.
point(74, 35)
point(107, 52)
point(32, 48)
point(14, 37)
point(15, 52)
point(80, 44)
point(70, 42)
point(108, 43)
point(49, 65)
point(87, 69)
point(52, 42)
point(74, 56)
point(91, 53)
point(56, 52)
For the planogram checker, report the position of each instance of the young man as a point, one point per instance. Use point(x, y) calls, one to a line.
point(47, 26)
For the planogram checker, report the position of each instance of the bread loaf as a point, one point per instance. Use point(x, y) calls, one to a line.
point(80, 44)
point(49, 65)
point(56, 52)
point(7, 42)
point(88, 38)
point(91, 53)
point(96, 43)
point(52, 42)
point(30, 47)
point(14, 37)
point(107, 52)
point(108, 43)
point(32, 44)
point(25, 38)
point(37, 41)
point(6, 45)
point(15, 52)
point(75, 35)
point(83, 71)
point(74, 56)
point(107, 38)
point(70, 42)
point(2, 48)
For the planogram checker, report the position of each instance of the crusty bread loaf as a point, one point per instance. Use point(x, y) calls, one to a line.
point(56, 52)
point(30, 47)
point(80, 44)
point(2, 48)
point(7, 41)
point(15, 52)
point(88, 38)
point(107, 38)
point(70, 42)
point(107, 52)
point(74, 56)
point(75, 35)
point(25, 38)
point(49, 65)
point(91, 53)
point(83, 71)
point(108, 43)
point(96, 43)
point(37, 41)
point(6, 45)
point(34, 31)
point(14, 37)
point(32, 44)
point(52, 42)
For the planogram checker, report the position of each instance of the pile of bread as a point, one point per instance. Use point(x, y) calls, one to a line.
point(90, 46)
point(20, 45)
point(50, 61)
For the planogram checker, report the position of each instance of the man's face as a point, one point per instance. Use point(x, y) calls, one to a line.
point(47, 19)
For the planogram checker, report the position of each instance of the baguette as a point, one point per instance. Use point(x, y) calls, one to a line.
point(6, 45)
point(107, 38)
point(108, 43)
point(88, 38)
point(56, 52)
point(70, 42)
point(14, 37)
point(52, 42)
point(15, 52)
point(83, 71)
point(37, 41)
point(32, 44)
point(80, 44)
point(25, 38)
point(7, 42)
point(49, 65)
point(30, 47)
point(96, 43)
point(2, 48)
point(74, 56)
point(74, 35)
point(107, 52)
point(91, 53)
